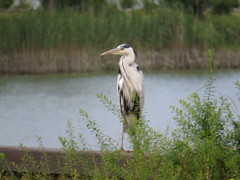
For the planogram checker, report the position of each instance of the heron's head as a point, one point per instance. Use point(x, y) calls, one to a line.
point(123, 49)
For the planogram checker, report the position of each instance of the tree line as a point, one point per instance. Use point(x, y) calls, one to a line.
point(195, 7)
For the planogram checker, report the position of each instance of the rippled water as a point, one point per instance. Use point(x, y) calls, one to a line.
point(41, 105)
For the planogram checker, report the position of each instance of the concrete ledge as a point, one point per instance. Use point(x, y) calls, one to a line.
point(29, 159)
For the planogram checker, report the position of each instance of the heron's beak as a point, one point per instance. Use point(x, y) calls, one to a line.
point(112, 51)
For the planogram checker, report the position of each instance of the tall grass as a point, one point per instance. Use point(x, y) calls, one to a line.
point(161, 29)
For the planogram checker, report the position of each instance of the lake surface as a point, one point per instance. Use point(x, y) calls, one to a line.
point(41, 105)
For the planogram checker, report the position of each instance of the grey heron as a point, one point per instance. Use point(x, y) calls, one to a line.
point(130, 86)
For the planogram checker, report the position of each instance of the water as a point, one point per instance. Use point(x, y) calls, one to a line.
point(41, 105)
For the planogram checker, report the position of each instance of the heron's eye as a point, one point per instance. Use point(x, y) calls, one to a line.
point(122, 48)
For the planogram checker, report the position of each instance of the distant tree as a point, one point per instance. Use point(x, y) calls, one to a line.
point(44, 3)
point(197, 7)
point(223, 6)
point(96, 5)
point(127, 3)
point(81, 5)
point(149, 5)
point(53, 4)
point(6, 3)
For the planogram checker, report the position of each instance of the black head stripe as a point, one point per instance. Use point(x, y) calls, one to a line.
point(125, 46)
point(138, 69)
point(135, 54)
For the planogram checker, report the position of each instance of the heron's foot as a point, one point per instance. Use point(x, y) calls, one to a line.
point(122, 150)
point(125, 151)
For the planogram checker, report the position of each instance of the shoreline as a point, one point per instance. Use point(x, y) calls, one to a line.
point(80, 61)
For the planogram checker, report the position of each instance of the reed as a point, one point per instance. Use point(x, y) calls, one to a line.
point(76, 60)
point(46, 34)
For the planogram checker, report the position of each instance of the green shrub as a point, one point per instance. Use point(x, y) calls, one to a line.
point(205, 135)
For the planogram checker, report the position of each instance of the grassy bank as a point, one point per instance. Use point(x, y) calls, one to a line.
point(33, 41)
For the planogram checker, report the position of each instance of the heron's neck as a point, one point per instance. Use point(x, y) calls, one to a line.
point(128, 59)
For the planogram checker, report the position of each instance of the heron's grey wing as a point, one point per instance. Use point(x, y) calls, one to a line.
point(138, 90)
point(122, 100)
point(120, 92)
point(130, 92)
point(139, 83)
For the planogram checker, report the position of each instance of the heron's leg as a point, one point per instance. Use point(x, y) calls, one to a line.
point(122, 149)
point(122, 138)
